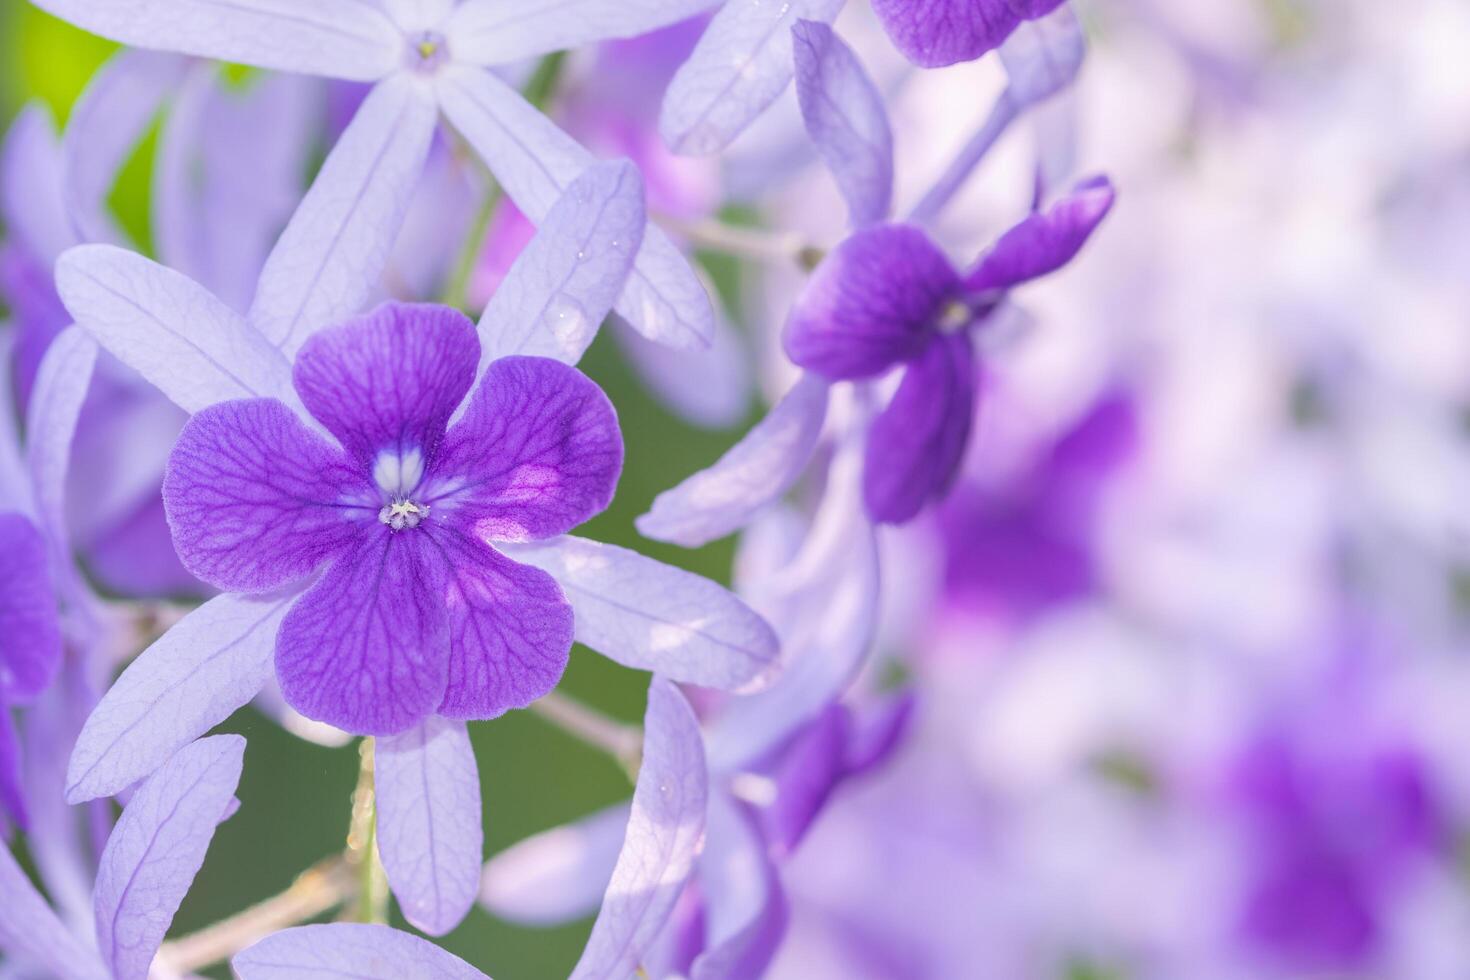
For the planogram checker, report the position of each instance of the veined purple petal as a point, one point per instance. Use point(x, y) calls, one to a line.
point(558, 875)
point(535, 162)
point(367, 648)
point(494, 32)
point(1045, 241)
point(510, 629)
point(157, 848)
point(13, 809)
point(32, 199)
point(915, 445)
point(651, 616)
point(739, 67)
point(256, 500)
point(51, 423)
point(32, 934)
point(330, 257)
point(1043, 56)
point(30, 630)
point(192, 678)
point(428, 798)
point(875, 301)
point(845, 117)
point(336, 38)
point(759, 468)
point(106, 125)
point(537, 452)
point(565, 281)
point(348, 949)
point(745, 909)
point(388, 381)
point(665, 836)
point(935, 33)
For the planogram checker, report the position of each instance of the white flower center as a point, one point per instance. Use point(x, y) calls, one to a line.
point(398, 474)
point(403, 514)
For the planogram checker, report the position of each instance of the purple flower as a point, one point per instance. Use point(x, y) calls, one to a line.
point(413, 614)
point(888, 297)
point(935, 33)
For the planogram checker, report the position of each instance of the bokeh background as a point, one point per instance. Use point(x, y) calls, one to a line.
point(1192, 704)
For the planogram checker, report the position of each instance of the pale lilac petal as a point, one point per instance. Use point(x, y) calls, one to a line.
point(1044, 56)
point(651, 616)
point(428, 799)
point(756, 471)
point(169, 329)
point(916, 444)
point(348, 949)
point(510, 629)
point(366, 649)
point(664, 839)
point(255, 498)
point(30, 631)
point(846, 119)
point(192, 678)
point(388, 381)
point(158, 847)
point(1045, 241)
point(494, 32)
point(739, 67)
point(877, 731)
point(104, 129)
point(229, 173)
point(418, 15)
point(874, 301)
point(564, 283)
point(936, 33)
point(51, 423)
point(32, 198)
point(710, 388)
point(329, 259)
point(557, 876)
point(337, 38)
point(745, 910)
point(32, 934)
point(537, 453)
point(535, 162)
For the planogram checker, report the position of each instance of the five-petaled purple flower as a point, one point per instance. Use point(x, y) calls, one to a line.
point(413, 613)
point(888, 297)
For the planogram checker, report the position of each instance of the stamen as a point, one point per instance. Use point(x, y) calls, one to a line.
point(427, 52)
point(955, 316)
point(403, 514)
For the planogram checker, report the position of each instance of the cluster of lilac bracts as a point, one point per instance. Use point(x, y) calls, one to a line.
point(380, 493)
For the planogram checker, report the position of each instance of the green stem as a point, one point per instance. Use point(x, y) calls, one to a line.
point(362, 844)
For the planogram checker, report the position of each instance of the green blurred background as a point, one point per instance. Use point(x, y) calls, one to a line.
point(296, 795)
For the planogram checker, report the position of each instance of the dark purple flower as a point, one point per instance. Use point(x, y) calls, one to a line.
point(935, 33)
point(888, 297)
point(412, 613)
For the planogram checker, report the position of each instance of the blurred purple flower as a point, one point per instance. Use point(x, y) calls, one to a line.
point(935, 33)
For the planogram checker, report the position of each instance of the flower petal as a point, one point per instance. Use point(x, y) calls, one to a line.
point(537, 453)
point(363, 952)
point(497, 32)
point(875, 301)
point(30, 629)
point(336, 38)
point(193, 677)
point(558, 875)
point(745, 908)
point(51, 423)
point(169, 329)
point(158, 847)
point(328, 261)
point(945, 32)
point(916, 443)
point(846, 119)
point(760, 468)
point(428, 799)
point(1043, 56)
point(535, 162)
point(256, 500)
point(664, 838)
point(741, 64)
point(1045, 241)
point(510, 629)
point(32, 934)
point(104, 129)
point(564, 283)
point(367, 648)
point(651, 616)
point(32, 197)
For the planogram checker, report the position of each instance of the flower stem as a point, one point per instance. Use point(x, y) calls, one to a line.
point(745, 243)
point(621, 741)
point(362, 843)
point(1002, 114)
